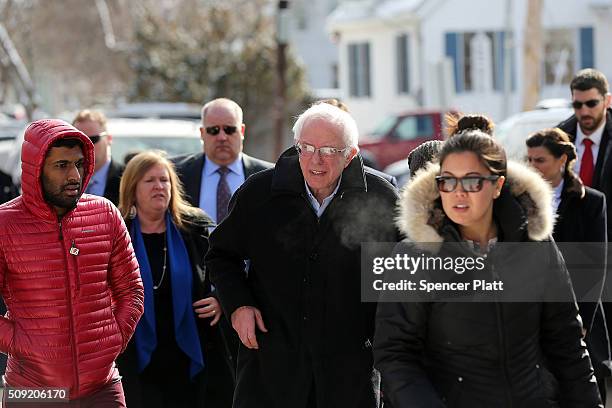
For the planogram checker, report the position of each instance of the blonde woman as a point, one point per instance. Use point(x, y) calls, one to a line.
point(177, 357)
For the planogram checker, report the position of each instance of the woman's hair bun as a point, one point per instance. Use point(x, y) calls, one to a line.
point(477, 122)
point(456, 123)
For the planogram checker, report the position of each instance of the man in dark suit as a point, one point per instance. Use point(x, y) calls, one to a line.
point(213, 175)
point(107, 172)
point(590, 129)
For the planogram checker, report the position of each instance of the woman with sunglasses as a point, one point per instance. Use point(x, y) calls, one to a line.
point(581, 218)
point(471, 354)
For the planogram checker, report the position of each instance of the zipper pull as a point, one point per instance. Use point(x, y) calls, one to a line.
point(73, 249)
point(61, 235)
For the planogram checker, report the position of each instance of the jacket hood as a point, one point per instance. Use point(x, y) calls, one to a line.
point(523, 205)
point(38, 137)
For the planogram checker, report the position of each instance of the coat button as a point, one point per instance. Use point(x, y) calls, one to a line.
point(460, 379)
point(537, 366)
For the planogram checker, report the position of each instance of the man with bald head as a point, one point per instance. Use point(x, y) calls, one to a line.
point(212, 176)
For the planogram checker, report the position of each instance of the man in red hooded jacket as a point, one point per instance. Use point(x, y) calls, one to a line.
point(68, 275)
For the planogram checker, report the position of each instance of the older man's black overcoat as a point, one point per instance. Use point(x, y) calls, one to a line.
point(304, 277)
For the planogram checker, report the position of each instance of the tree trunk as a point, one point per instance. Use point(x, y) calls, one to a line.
point(532, 54)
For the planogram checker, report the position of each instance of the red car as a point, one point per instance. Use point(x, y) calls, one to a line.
point(397, 135)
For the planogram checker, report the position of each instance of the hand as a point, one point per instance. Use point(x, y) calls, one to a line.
point(244, 320)
point(208, 307)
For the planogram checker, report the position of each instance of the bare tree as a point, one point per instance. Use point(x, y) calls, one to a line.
point(204, 49)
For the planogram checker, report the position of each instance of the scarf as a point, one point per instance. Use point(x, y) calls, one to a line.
point(185, 329)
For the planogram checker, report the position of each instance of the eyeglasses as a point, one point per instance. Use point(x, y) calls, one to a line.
point(96, 138)
point(591, 103)
point(214, 130)
point(470, 184)
point(307, 150)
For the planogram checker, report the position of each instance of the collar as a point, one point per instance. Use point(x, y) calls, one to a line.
point(100, 175)
point(559, 189)
point(288, 176)
point(595, 136)
point(210, 167)
point(315, 203)
point(475, 245)
point(572, 186)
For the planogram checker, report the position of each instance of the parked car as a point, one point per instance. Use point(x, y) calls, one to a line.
point(397, 135)
point(513, 132)
point(129, 135)
point(400, 171)
point(173, 136)
point(157, 110)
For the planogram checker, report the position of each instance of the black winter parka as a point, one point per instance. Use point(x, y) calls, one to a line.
point(510, 354)
point(304, 277)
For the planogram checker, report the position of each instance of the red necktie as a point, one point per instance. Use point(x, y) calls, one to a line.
point(586, 165)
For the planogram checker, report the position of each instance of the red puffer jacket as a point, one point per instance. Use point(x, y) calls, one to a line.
point(70, 313)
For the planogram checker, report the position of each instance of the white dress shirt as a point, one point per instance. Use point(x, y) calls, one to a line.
point(320, 208)
point(595, 137)
point(557, 196)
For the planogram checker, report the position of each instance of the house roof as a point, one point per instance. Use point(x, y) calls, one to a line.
point(360, 10)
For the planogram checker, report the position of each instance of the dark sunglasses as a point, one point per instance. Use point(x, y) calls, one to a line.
point(591, 103)
point(214, 130)
point(470, 184)
point(96, 138)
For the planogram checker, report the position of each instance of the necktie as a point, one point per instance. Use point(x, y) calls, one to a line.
point(223, 194)
point(586, 164)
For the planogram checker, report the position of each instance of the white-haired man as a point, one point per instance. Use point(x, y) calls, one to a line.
point(305, 334)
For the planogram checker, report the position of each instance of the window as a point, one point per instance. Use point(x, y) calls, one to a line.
point(402, 52)
point(300, 16)
point(478, 60)
point(566, 51)
point(334, 76)
point(359, 69)
point(413, 127)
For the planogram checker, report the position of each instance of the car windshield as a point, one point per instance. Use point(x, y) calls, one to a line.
point(173, 145)
point(384, 127)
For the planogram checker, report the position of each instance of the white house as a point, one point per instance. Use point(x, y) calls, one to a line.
point(397, 55)
point(313, 45)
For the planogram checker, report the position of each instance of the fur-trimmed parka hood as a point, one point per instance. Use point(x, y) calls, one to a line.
point(523, 208)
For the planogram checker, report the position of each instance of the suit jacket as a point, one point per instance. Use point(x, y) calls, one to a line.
point(113, 178)
point(189, 169)
point(602, 177)
point(582, 218)
point(8, 191)
point(391, 179)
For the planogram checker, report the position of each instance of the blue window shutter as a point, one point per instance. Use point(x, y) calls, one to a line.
point(454, 50)
point(366, 62)
point(407, 62)
point(500, 60)
point(587, 52)
point(402, 66)
point(352, 58)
